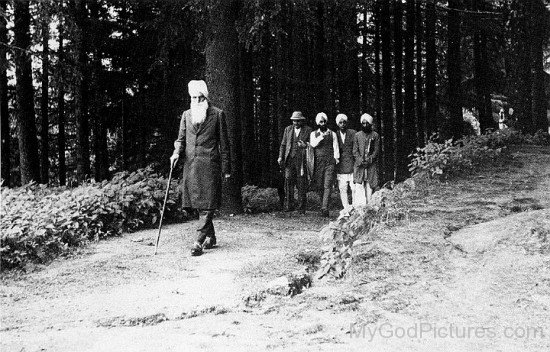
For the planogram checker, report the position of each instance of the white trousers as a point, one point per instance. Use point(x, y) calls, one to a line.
point(363, 194)
point(345, 180)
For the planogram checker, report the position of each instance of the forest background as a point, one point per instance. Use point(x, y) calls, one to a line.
point(90, 88)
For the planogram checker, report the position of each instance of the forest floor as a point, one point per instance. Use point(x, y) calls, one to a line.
point(467, 269)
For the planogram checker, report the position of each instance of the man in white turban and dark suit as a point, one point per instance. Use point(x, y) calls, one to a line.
point(366, 150)
point(327, 154)
point(344, 169)
point(204, 144)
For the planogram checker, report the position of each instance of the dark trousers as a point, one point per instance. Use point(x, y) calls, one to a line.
point(295, 177)
point(324, 177)
point(206, 228)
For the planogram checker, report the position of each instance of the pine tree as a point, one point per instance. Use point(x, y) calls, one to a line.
point(222, 67)
point(26, 125)
point(4, 115)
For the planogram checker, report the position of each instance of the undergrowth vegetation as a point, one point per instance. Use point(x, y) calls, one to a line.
point(39, 223)
point(451, 158)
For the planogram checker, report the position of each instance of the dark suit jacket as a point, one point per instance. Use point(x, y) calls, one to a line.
point(345, 166)
point(286, 142)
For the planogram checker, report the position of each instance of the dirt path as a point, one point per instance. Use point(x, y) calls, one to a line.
point(118, 283)
point(472, 253)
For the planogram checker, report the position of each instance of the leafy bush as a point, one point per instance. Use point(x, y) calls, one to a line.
point(455, 157)
point(257, 200)
point(339, 237)
point(39, 223)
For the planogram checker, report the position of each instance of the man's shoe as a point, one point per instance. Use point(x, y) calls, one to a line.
point(209, 242)
point(196, 250)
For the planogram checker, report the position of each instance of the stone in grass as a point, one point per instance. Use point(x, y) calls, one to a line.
point(292, 284)
point(288, 285)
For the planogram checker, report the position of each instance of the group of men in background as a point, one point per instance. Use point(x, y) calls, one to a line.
point(313, 158)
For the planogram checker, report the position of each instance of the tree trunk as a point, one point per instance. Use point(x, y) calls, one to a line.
point(265, 120)
point(280, 110)
point(378, 78)
point(540, 100)
point(401, 149)
point(367, 76)
point(45, 123)
point(480, 74)
point(347, 64)
point(100, 147)
point(330, 74)
point(320, 63)
point(61, 107)
point(222, 67)
point(351, 63)
point(247, 112)
point(518, 80)
point(101, 160)
point(377, 67)
point(124, 116)
point(4, 115)
point(409, 124)
point(454, 68)
point(28, 143)
point(81, 93)
point(431, 68)
point(420, 115)
point(101, 165)
point(524, 111)
point(387, 98)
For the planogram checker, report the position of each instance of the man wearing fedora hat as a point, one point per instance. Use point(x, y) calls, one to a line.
point(292, 156)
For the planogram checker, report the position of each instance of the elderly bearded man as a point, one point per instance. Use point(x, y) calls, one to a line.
point(344, 169)
point(292, 156)
point(203, 141)
point(366, 150)
point(327, 155)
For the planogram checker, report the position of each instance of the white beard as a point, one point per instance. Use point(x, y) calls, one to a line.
point(198, 112)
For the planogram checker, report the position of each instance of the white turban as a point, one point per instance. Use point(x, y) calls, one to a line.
point(341, 117)
point(366, 117)
point(320, 116)
point(197, 88)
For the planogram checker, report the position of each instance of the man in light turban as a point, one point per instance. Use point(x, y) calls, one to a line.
point(327, 155)
point(204, 143)
point(344, 169)
point(366, 151)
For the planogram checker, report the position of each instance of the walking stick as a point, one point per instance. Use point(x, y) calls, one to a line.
point(164, 205)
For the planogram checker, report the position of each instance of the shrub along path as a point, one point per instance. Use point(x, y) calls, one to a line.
point(435, 268)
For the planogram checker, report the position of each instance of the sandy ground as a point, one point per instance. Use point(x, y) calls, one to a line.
point(467, 269)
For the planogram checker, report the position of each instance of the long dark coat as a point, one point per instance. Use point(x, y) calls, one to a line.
point(206, 151)
point(366, 150)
